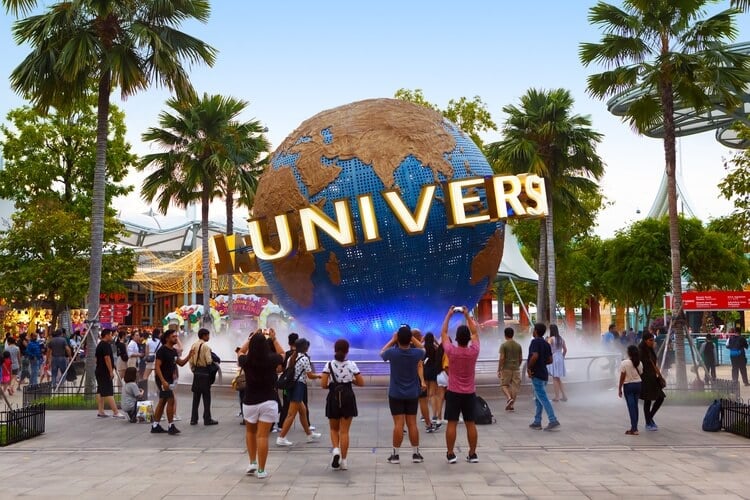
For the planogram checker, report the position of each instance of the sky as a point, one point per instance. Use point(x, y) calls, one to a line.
point(291, 60)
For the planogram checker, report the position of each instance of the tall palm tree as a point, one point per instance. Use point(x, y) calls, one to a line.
point(125, 44)
point(544, 137)
point(240, 177)
point(672, 53)
point(201, 141)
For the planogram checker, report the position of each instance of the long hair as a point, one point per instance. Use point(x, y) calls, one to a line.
point(634, 356)
point(645, 351)
point(554, 332)
point(341, 349)
point(258, 350)
point(430, 346)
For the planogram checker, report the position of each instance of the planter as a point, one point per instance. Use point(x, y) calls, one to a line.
point(21, 424)
point(67, 397)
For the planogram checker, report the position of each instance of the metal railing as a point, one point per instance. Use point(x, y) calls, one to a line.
point(21, 423)
point(735, 417)
point(66, 397)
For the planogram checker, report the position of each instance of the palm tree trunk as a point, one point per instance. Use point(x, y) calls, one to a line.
point(97, 226)
point(230, 277)
point(205, 263)
point(674, 232)
point(541, 290)
point(551, 271)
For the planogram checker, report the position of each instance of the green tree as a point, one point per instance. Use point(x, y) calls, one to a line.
point(470, 115)
point(544, 137)
point(714, 259)
point(119, 44)
point(202, 144)
point(735, 187)
point(672, 53)
point(42, 254)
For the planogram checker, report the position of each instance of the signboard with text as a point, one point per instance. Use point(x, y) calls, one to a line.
point(717, 300)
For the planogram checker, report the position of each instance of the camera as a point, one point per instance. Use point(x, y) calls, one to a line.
point(458, 309)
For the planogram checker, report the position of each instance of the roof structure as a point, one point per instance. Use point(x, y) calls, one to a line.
point(688, 121)
point(513, 264)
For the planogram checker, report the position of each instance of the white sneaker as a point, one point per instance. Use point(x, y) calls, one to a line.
point(261, 474)
point(343, 465)
point(336, 463)
point(311, 427)
point(313, 436)
point(280, 441)
point(251, 468)
point(177, 418)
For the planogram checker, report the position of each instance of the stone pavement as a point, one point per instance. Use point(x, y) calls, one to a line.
point(81, 456)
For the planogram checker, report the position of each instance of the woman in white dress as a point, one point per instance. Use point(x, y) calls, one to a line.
point(557, 368)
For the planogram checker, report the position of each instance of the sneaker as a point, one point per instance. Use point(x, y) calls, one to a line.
point(280, 441)
point(102, 416)
point(535, 426)
point(437, 426)
point(311, 427)
point(173, 430)
point(275, 428)
point(417, 458)
point(656, 427)
point(251, 468)
point(430, 428)
point(313, 436)
point(651, 427)
point(336, 463)
point(176, 418)
point(343, 465)
point(261, 474)
point(472, 459)
point(451, 457)
point(120, 416)
point(393, 459)
point(552, 426)
point(157, 429)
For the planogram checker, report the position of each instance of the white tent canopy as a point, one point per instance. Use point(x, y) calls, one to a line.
point(513, 265)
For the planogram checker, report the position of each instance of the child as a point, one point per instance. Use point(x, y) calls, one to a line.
point(6, 378)
point(131, 393)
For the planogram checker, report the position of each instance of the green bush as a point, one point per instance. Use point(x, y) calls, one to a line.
point(71, 401)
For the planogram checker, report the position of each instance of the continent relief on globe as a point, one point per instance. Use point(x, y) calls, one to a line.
point(381, 133)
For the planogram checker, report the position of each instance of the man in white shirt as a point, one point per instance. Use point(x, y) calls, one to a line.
point(134, 354)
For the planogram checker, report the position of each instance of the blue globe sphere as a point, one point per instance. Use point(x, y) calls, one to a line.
point(365, 291)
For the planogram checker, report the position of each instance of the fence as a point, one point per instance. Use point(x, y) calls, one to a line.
point(735, 417)
point(21, 423)
point(67, 397)
point(700, 394)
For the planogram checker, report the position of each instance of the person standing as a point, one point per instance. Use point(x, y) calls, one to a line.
point(105, 372)
point(737, 344)
point(291, 340)
point(165, 368)
point(405, 355)
point(260, 408)
point(58, 355)
point(557, 368)
point(433, 365)
point(509, 368)
point(460, 398)
point(540, 355)
point(302, 372)
point(200, 361)
point(651, 391)
point(341, 403)
point(630, 385)
point(15, 357)
point(34, 355)
point(121, 353)
point(424, 407)
point(133, 350)
point(708, 352)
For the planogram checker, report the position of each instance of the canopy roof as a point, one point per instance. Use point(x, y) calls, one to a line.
point(513, 264)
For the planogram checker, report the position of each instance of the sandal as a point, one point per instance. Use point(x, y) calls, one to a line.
point(631, 433)
point(555, 400)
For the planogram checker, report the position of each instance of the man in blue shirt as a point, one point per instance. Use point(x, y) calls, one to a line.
point(540, 355)
point(34, 353)
point(405, 355)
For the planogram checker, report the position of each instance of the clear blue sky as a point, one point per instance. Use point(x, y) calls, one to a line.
point(291, 60)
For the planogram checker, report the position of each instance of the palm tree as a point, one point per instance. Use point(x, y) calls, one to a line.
point(543, 137)
point(201, 143)
point(672, 53)
point(121, 44)
point(241, 177)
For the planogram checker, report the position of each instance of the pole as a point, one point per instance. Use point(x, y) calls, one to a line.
point(78, 349)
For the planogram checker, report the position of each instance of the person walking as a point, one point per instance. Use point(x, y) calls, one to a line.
point(630, 385)
point(165, 369)
point(15, 358)
point(34, 355)
point(291, 340)
point(651, 390)
point(509, 368)
point(341, 404)
point(105, 372)
point(737, 344)
point(460, 398)
point(260, 408)
point(302, 372)
point(200, 361)
point(540, 355)
point(58, 355)
point(423, 402)
point(708, 353)
point(557, 368)
point(404, 354)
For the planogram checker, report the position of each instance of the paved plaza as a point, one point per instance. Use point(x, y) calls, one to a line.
point(81, 456)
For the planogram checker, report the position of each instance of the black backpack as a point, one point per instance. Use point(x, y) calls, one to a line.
point(482, 412)
point(341, 393)
point(122, 351)
point(712, 420)
point(287, 380)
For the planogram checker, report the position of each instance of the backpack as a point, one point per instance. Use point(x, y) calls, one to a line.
point(712, 419)
point(341, 394)
point(482, 412)
point(122, 351)
point(287, 380)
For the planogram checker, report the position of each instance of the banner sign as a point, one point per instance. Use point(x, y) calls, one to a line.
point(717, 300)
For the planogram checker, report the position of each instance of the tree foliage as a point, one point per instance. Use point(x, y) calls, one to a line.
point(735, 187)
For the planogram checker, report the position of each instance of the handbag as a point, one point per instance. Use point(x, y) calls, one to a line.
point(238, 382)
point(659, 379)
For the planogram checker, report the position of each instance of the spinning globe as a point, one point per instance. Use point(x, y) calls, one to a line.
point(364, 290)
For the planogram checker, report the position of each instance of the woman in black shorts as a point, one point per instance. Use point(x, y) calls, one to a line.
point(341, 404)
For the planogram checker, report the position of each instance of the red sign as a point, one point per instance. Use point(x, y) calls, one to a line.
point(717, 300)
point(114, 313)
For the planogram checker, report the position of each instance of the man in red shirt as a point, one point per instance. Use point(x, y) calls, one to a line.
point(460, 398)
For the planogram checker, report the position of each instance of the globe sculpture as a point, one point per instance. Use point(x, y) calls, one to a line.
point(365, 291)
